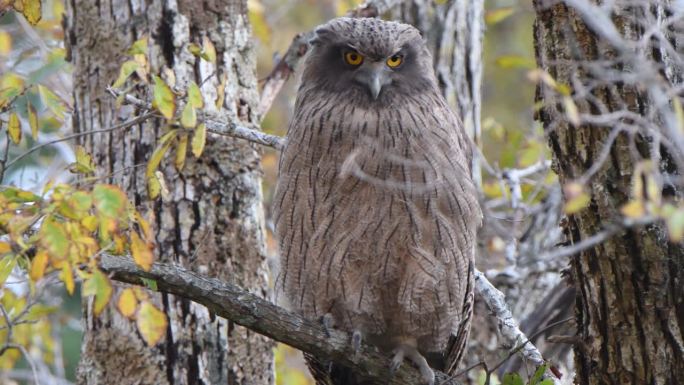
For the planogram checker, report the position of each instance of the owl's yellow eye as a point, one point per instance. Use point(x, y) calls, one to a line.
point(353, 58)
point(395, 61)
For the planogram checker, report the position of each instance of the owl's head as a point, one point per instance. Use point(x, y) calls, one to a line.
point(371, 58)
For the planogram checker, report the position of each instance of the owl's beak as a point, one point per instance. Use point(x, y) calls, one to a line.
point(374, 76)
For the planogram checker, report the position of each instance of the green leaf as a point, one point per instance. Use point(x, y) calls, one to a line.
point(149, 283)
point(33, 119)
point(99, 286)
point(512, 379)
point(127, 68)
point(163, 98)
point(52, 102)
point(547, 381)
point(153, 186)
point(198, 140)
point(151, 323)
point(189, 117)
point(110, 201)
point(537, 376)
point(7, 263)
point(14, 128)
point(195, 96)
point(498, 15)
point(53, 238)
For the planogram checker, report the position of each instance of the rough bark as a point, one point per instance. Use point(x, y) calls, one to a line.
point(214, 203)
point(630, 291)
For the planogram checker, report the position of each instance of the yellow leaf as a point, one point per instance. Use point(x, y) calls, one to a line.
point(159, 152)
point(151, 323)
point(634, 209)
point(14, 128)
point(498, 15)
point(675, 225)
point(198, 140)
point(515, 61)
point(258, 21)
point(99, 286)
point(576, 198)
point(142, 253)
point(89, 222)
point(189, 117)
point(181, 151)
point(67, 277)
point(5, 247)
point(84, 162)
point(127, 303)
point(153, 186)
point(144, 226)
point(571, 110)
point(31, 9)
point(221, 91)
point(209, 50)
point(5, 43)
point(11, 85)
point(679, 113)
point(139, 47)
point(163, 98)
point(195, 96)
point(127, 68)
point(38, 265)
point(195, 49)
point(33, 119)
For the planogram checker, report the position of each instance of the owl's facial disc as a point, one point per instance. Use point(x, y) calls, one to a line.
point(373, 75)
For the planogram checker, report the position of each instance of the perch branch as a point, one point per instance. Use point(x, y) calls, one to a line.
point(261, 316)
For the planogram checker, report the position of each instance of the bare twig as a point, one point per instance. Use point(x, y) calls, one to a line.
point(508, 327)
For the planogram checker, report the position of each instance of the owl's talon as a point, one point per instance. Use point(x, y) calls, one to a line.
point(426, 374)
point(356, 341)
point(397, 360)
point(328, 323)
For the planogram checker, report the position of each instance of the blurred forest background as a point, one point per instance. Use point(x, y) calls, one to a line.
point(35, 54)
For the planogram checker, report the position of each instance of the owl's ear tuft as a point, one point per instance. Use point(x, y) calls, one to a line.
point(321, 35)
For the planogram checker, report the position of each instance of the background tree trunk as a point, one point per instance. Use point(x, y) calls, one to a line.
point(214, 204)
point(630, 288)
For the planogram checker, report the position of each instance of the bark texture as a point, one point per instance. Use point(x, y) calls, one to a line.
point(630, 288)
point(213, 205)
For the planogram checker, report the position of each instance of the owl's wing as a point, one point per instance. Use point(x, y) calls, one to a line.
point(449, 359)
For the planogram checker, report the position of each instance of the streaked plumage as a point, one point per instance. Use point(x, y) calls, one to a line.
point(375, 210)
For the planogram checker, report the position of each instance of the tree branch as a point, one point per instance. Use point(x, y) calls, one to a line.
point(259, 315)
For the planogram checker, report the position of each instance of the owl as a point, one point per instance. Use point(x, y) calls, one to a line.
point(375, 210)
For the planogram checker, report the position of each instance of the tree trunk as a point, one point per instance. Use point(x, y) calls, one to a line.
point(213, 208)
point(630, 288)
